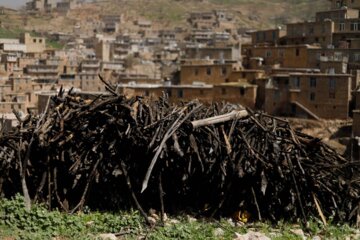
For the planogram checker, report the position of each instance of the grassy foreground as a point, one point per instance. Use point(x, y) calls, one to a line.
point(17, 223)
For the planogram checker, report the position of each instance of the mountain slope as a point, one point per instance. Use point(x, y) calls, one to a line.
point(259, 14)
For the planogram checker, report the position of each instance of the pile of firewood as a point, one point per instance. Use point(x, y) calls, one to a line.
point(114, 152)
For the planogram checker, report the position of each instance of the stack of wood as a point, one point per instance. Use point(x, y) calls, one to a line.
point(115, 153)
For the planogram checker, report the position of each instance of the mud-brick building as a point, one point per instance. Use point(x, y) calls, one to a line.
point(216, 53)
point(309, 95)
point(208, 72)
point(269, 36)
point(289, 56)
point(310, 33)
point(89, 81)
point(237, 92)
point(241, 92)
point(335, 4)
point(337, 14)
point(355, 138)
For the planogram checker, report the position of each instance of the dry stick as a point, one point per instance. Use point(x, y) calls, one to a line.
point(49, 183)
point(158, 151)
point(220, 119)
point(41, 186)
point(177, 123)
point(161, 193)
point(82, 200)
point(297, 189)
point(128, 184)
point(319, 209)
point(108, 86)
point(56, 191)
point(256, 204)
point(23, 163)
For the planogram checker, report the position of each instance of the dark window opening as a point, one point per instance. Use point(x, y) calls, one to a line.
point(208, 71)
point(196, 71)
point(312, 81)
point(223, 91)
point(180, 93)
point(242, 91)
point(312, 96)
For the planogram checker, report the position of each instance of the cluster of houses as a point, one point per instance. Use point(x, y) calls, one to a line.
point(308, 69)
point(62, 6)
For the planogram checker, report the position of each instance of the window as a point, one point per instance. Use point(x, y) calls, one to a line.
point(357, 57)
point(311, 30)
point(34, 40)
point(268, 53)
point(332, 83)
point(208, 71)
point(296, 82)
point(40, 40)
point(353, 26)
point(273, 35)
point(223, 91)
point(223, 71)
point(242, 91)
point(312, 96)
point(297, 52)
point(312, 81)
point(332, 95)
point(338, 4)
point(147, 93)
point(201, 92)
point(341, 26)
point(196, 71)
point(180, 93)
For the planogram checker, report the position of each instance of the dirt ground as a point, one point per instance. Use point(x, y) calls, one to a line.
point(335, 133)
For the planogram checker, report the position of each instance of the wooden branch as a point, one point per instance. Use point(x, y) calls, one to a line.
point(220, 119)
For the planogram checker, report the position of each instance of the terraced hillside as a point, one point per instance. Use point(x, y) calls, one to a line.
point(167, 13)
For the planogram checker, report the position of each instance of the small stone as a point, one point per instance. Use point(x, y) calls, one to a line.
point(316, 238)
point(155, 216)
point(152, 221)
point(107, 236)
point(251, 236)
point(191, 219)
point(165, 217)
point(174, 221)
point(90, 223)
point(231, 222)
point(218, 232)
point(299, 232)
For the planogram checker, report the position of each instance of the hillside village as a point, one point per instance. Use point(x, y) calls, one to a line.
point(306, 69)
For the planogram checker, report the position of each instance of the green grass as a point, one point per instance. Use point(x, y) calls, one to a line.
point(38, 223)
point(54, 44)
point(13, 33)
